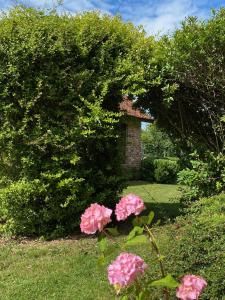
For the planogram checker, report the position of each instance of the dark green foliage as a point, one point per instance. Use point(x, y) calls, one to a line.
point(201, 247)
point(161, 170)
point(205, 177)
point(147, 169)
point(61, 79)
point(165, 170)
point(186, 92)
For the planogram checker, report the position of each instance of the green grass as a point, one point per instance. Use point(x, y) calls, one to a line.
point(53, 270)
point(154, 192)
point(163, 199)
point(67, 269)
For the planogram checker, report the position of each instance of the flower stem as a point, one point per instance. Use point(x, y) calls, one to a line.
point(108, 235)
point(157, 251)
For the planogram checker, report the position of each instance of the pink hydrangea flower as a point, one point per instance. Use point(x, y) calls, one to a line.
point(129, 204)
point(191, 287)
point(95, 218)
point(125, 269)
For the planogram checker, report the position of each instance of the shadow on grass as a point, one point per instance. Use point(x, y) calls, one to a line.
point(138, 182)
point(144, 182)
point(164, 211)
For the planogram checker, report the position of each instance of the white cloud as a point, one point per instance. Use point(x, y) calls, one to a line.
point(156, 16)
point(163, 16)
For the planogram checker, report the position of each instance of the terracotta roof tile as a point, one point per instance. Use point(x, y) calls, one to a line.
point(127, 107)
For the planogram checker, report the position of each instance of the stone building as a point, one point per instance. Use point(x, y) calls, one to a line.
point(131, 136)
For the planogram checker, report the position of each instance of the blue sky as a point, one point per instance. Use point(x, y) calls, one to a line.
point(156, 16)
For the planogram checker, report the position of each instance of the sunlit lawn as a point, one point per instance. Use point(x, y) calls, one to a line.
point(162, 198)
point(67, 269)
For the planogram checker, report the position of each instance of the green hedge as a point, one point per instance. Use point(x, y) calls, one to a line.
point(161, 170)
point(166, 170)
point(147, 169)
point(201, 247)
point(61, 80)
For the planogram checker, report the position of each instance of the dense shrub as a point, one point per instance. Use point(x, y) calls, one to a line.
point(205, 177)
point(161, 170)
point(166, 170)
point(61, 79)
point(19, 202)
point(147, 169)
point(201, 247)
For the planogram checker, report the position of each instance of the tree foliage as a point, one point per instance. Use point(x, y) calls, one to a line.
point(61, 79)
point(186, 91)
point(157, 143)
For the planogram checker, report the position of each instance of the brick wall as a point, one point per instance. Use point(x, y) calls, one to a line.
point(133, 145)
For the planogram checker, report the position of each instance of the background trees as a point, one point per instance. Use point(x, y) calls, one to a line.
point(159, 162)
point(157, 143)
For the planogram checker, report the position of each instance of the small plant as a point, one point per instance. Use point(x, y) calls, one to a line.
point(128, 268)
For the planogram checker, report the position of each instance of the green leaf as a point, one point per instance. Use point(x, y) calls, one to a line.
point(161, 257)
point(167, 281)
point(135, 231)
point(222, 118)
point(144, 220)
point(113, 231)
point(124, 298)
point(150, 217)
point(138, 240)
point(139, 221)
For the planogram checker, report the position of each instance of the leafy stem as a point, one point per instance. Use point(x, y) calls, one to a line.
point(157, 251)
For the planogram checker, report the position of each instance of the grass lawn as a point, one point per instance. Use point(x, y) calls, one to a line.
point(67, 269)
point(163, 199)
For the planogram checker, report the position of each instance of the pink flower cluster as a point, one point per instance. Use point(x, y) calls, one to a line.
point(125, 269)
point(191, 287)
point(95, 218)
point(129, 204)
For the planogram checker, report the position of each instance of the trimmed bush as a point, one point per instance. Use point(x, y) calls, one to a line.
point(161, 170)
point(165, 170)
point(201, 247)
point(147, 169)
point(19, 201)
